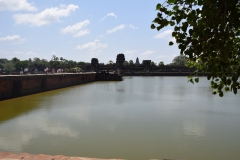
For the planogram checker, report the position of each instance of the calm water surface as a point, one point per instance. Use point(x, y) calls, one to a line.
point(138, 118)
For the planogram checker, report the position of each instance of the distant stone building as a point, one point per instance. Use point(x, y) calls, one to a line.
point(143, 67)
point(146, 62)
point(94, 64)
point(120, 60)
point(137, 62)
point(146, 65)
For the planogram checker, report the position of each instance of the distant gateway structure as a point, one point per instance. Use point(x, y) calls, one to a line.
point(120, 60)
point(145, 66)
point(94, 64)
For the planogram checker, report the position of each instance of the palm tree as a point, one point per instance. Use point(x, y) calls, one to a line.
point(110, 62)
point(55, 58)
point(160, 64)
point(131, 62)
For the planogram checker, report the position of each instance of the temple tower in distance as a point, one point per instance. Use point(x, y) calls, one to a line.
point(94, 64)
point(120, 60)
point(137, 62)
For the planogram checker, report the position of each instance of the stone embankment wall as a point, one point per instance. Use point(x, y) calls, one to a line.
point(106, 76)
point(16, 86)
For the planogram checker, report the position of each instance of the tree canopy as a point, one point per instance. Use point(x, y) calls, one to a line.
point(125, 63)
point(207, 33)
point(110, 62)
point(152, 63)
point(160, 64)
point(8, 67)
point(15, 64)
point(179, 60)
point(131, 62)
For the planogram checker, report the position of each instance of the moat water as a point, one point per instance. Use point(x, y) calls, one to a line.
point(138, 118)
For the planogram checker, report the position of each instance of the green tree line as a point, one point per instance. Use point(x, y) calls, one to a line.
point(15, 64)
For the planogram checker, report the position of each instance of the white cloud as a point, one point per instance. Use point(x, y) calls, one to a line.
point(133, 27)
point(25, 54)
point(76, 29)
point(173, 39)
point(45, 17)
point(22, 55)
point(108, 15)
point(165, 34)
point(56, 54)
point(16, 5)
point(129, 52)
point(30, 54)
point(15, 38)
point(171, 56)
point(53, 53)
point(81, 33)
point(18, 53)
point(147, 53)
point(120, 27)
point(92, 46)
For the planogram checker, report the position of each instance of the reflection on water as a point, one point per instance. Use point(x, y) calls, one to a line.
point(196, 128)
point(138, 118)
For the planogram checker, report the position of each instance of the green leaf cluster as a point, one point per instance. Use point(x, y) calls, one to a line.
point(208, 34)
point(180, 60)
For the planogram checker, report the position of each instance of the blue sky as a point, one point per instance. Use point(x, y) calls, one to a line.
point(83, 29)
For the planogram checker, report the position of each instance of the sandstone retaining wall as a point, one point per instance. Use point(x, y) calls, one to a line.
point(16, 86)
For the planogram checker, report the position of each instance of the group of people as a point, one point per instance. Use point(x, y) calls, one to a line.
point(62, 71)
point(47, 70)
point(52, 71)
point(24, 71)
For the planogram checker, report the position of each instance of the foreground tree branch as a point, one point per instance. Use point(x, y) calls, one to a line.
point(207, 33)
